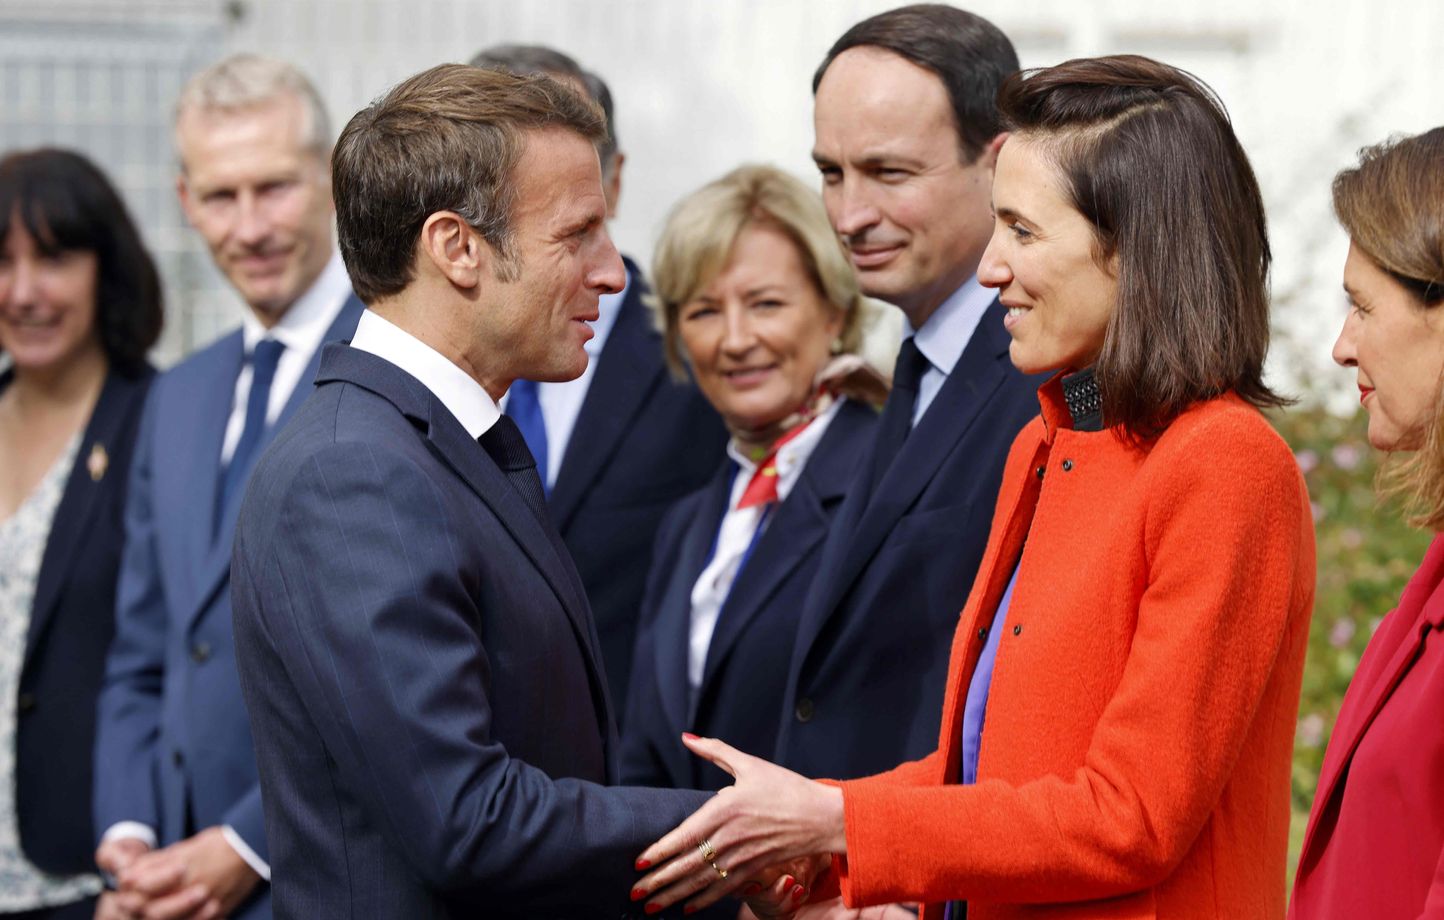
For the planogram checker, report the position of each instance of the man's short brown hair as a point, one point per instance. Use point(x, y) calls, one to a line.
point(447, 139)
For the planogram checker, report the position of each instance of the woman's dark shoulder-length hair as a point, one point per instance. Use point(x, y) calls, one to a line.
point(1147, 154)
point(66, 204)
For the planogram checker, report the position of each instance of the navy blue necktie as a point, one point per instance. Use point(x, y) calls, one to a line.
point(897, 414)
point(524, 407)
point(264, 359)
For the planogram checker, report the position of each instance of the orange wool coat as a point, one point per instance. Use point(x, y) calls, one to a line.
point(1136, 753)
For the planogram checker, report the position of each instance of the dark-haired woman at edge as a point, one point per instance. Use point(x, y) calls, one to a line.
point(1118, 724)
point(80, 306)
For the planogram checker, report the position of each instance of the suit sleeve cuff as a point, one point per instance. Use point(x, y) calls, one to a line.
point(261, 867)
point(130, 830)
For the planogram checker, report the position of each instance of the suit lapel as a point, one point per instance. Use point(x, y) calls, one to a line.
point(980, 370)
point(204, 421)
point(76, 513)
point(1424, 609)
point(629, 368)
point(674, 625)
point(217, 563)
point(450, 442)
point(799, 526)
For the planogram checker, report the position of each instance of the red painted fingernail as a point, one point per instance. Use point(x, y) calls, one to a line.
point(643, 864)
point(788, 882)
point(689, 736)
point(797, 893)
point(653, 908)
point(638, 894)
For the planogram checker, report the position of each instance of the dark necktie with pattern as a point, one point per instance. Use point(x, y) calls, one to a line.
point(503, 441)
point(897, 415)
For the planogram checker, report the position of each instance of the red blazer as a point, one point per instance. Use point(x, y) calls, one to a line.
point(1375, 844)
point(1136, 753)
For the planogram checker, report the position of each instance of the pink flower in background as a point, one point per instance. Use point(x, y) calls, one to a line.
point(1342, 632)
point(1311, 730)
point(1308, 461)
point(1318, 511)
point(1347, 456)
point(1351, 538)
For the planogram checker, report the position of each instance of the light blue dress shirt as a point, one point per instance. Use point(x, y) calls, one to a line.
point(945, 335)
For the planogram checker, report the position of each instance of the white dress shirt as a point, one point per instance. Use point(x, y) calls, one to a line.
point(462, 396)
point(945, 335)
point(561, 403)
point(735, 537)
point(301, 330)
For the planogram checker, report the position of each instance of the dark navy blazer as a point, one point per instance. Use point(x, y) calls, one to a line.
point(865, 682)
point(71, 622)
point(173, 747)
point(431, 723)
point(641, 442)
point(746, 668)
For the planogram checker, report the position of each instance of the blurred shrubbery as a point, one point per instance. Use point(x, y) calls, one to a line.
point(1365, 556)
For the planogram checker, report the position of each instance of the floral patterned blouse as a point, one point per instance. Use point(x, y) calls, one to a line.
point(23, 535)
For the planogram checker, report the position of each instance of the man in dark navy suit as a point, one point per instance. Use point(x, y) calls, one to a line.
point(624, 441)
point(907, 133)
point(432, 724)
point(176, 796)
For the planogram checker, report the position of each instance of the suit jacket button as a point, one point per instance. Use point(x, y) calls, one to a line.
point(1018, 629)
point(25, 703)
point(201, 652)
point(1067, 465)
point(804, 710)
point(983, 634)
point(1040, 471)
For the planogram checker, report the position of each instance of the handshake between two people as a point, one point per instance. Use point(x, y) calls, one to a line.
point(769, 838)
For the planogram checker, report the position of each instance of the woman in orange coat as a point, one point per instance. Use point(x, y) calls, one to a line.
point(1118, 727)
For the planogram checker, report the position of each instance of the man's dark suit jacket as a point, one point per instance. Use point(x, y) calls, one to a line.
point(431, 723)
point(746, 669)
point(71, 622)
point(865, 682)
point(642, 441)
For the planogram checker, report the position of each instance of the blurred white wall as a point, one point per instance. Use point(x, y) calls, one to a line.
point(702, 86)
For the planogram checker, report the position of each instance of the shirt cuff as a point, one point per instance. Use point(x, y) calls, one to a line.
point(261, 867)
point(130, 830)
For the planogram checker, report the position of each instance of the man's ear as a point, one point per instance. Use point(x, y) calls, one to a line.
point(988, 158)
point(454, 249)
point(183, 193)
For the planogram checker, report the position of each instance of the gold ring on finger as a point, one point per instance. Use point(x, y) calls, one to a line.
point(708, 853)
point(719, 870)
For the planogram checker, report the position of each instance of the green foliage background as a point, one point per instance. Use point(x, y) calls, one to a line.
point(1366, 554)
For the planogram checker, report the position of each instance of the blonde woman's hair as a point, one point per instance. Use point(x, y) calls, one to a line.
point(1392, 207)
point(703, 227)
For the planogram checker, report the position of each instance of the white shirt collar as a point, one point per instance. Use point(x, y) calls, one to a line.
point(302, 327)
point(462, 396)
point(945, 334)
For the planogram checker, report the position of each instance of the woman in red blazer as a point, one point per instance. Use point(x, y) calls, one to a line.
point(1118, 726)
point(1375, 843)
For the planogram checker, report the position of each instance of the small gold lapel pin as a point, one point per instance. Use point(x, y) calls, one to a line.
point(97, 462)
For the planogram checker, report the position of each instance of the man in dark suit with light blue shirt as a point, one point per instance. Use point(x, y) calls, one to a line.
point(623, 442)
point(176, 794)
point(431, 715)
point(907, 133)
